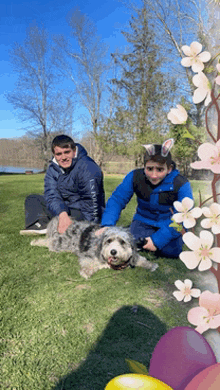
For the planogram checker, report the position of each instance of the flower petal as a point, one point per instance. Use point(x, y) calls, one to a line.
point(178, 206)
point(187, 298)
point(207, 212)
point(199, 95)
point(196, 212)
point(197, 65)
point(178, 217)
point(190, 260)
point(206, 223)
point(179, 284)
point(195, 292)
point(210, 301)
point(187, 203)
point(188, 283)
point(215, 254)
point(195, 48)
point(186, 50)
point(196, 314)
point(207, 238)
point(178, 295)
point(216, 229)
point(186, 61)
point(205, 264)
point(191, 240)
point(189, 222)
point(204, 56)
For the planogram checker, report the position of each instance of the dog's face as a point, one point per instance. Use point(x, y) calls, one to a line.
point(117, 248)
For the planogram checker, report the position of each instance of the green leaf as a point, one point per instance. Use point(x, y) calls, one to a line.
point(176, 226)
point(187, 134)
point(136, 367)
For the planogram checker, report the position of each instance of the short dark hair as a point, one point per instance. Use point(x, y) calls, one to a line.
point(157, 157)
point(63, 141)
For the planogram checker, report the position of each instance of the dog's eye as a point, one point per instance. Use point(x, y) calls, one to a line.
point(122, 242)
point(108, 241)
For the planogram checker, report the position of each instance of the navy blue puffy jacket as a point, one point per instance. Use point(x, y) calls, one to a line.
point(154, 204)
point(80, 187)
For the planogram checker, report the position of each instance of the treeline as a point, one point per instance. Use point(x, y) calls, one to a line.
point(125, 94)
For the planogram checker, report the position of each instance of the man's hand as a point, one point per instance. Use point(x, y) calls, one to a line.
point(150, 245)
point(64, 222)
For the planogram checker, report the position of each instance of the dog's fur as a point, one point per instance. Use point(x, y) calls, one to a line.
point(114, 248)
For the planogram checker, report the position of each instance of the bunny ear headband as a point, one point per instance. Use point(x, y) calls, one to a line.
point(165, 148)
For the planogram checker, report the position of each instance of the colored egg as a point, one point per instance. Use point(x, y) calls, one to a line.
point(207, 379)
point(136, 381)
point(179, 356)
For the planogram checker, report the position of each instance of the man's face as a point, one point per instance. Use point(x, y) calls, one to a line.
point(64, 156)
point(156, 172)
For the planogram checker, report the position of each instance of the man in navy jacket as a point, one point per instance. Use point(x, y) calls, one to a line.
point(156, 186)
point(73, 187)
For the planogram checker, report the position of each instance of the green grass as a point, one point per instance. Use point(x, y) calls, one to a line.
point(61, 332)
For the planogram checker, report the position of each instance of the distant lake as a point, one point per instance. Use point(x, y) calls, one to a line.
point(8, 169)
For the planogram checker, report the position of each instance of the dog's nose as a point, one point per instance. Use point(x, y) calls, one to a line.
point(113, 252)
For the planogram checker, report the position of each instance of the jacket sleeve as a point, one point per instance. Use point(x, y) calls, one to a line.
point(91, 191)
point(167, 233)
point(118, 200)
point(54, 200)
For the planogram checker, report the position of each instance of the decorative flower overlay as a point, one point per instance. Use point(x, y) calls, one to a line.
point(202, 252)
point(185, 214)
point(207, 315)
point(210, 157)
point(186, 291)
point(203, 90)
point(217, 79)
point(194, 59)
point(177, 115)
point(212, 219)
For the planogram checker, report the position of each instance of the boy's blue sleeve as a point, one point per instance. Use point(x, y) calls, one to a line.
point(166, 233)
point(118, 200)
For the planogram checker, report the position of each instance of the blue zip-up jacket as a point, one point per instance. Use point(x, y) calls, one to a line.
point(154, 203)
point(79, 187)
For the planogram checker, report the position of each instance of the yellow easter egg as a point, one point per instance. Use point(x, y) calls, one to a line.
point(136, 381)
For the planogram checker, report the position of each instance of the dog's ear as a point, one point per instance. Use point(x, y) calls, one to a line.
point(99, 244)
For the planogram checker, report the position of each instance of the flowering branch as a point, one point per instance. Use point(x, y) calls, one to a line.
point(202, 253)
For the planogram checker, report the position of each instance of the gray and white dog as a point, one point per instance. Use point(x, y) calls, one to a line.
point(114, 248)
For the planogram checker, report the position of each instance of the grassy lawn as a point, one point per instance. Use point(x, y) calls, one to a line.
point(60, 332)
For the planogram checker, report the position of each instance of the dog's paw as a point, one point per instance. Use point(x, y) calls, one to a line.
point(154, 267)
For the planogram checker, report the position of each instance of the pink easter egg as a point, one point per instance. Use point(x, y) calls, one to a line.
point(207, 379)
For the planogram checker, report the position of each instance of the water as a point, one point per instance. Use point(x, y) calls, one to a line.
point(8, 169)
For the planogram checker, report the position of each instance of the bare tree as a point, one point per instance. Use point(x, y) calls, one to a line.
point(36, 98)
point(87, 68)
point(176, 24)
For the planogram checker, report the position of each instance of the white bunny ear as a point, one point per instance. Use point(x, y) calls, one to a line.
point(150, 149)
point(167, 145)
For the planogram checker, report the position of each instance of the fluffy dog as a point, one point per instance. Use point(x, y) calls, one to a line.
point(114, 248)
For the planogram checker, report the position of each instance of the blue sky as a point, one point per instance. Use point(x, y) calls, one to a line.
point(110, 17)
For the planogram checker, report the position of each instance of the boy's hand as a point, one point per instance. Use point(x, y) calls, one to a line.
point(150, 245)
point(64, 222)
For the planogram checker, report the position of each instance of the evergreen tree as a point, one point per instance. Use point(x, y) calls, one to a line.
point(141, 85)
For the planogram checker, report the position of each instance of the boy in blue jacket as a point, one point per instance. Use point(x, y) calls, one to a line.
point(156, 186)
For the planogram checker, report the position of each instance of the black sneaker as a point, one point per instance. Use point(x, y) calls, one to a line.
point(36, 228)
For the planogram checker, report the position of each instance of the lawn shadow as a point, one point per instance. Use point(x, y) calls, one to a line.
point(132, 333)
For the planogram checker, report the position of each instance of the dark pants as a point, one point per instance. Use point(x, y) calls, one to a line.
point(36, 211)
point(172, 249)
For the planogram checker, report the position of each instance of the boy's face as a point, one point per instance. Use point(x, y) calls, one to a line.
point(156, 172)
point(64, 156)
